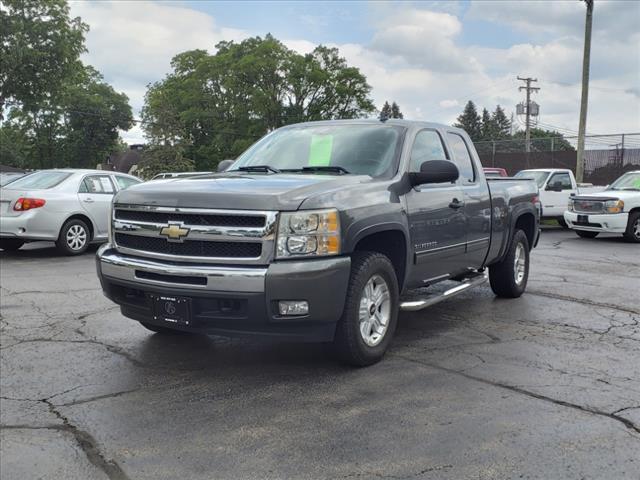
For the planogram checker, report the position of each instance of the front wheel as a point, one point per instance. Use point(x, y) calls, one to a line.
point(370, 313)
point(509, 277)
point(586, 234)
point(632, 234)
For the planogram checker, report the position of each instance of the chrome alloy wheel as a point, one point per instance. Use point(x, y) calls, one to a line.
point(76, 237)
point(375, 310)
point(519, 264)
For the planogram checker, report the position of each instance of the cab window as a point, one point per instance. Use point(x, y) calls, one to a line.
point(560, 181)
point(427, 146)
point(99, 184)
point(462, 157)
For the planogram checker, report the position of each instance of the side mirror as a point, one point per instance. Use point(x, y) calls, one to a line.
point(224, 165)
point(435, 171)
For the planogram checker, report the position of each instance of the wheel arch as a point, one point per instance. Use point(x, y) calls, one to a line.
point(85, 219)
point(390, 240)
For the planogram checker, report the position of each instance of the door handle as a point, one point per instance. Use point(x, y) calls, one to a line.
point(456, 204)
point(88, 200)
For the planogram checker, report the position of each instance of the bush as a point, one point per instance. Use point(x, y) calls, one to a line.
point(163, 158)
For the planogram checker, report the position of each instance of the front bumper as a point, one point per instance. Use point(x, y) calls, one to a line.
point(613, 222)
point(230, 300)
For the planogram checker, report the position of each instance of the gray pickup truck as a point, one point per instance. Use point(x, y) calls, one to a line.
point(320, 231)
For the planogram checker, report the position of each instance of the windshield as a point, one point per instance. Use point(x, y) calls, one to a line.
point(359, 149)
point(39, 180)
point(539, 176)
point(629, 181)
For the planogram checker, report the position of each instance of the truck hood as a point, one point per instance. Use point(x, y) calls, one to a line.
point(237, 191)
point(610, 195)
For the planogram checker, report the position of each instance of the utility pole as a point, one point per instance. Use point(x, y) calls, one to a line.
point(586, 57)
point(529, 89)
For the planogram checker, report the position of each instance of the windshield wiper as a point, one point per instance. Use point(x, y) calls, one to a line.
point(258, 168)
point(326, 168)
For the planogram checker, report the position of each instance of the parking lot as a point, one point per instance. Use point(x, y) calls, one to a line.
point(545, 386)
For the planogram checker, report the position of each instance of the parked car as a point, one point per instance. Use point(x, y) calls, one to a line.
point(320, 232)
point(556, 186)
point(165, 175)
point(8, 177)
point(615, 210)
point(70, 207)
point(494, 172)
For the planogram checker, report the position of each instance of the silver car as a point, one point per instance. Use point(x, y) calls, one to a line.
point(70, 207)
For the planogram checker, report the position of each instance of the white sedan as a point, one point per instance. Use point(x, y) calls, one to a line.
point(70, 207)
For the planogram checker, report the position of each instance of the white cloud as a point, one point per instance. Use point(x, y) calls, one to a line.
point(449, 103)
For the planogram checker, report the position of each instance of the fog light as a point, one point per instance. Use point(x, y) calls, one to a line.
point(293, 307)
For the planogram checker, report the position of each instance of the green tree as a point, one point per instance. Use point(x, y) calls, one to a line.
point(385, 111)
point(40, 49)
point(501, 122)
point(163, 158)
point(215, 106)
point(470, 121)
point(487, 126)
point(59, 112)
point(395, 111)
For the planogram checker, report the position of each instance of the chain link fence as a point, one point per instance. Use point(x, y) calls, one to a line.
point(606, 157)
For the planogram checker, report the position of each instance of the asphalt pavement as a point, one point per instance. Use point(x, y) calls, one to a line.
point(542, 387)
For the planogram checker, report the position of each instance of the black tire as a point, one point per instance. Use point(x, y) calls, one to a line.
point(78, 230)
point(586, 233)
point(562, 223)
point(162, 330)
point(502, 275)
point(10, 244)
point(349, 342)
point(632, 233)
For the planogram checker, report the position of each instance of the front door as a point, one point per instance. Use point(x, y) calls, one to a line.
point(436, 217)
point(556, 194)
point(95, 195)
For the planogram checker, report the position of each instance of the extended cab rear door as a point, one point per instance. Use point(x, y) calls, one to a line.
point(437, 222)
point(477, 200)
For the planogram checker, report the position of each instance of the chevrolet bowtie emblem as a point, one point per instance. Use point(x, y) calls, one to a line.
point(174, 232)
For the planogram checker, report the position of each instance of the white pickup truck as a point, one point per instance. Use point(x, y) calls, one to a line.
point(614, 210)
point(557, 186)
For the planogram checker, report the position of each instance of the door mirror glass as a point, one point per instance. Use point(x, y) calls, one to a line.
point(435, 171)
point(224, 165)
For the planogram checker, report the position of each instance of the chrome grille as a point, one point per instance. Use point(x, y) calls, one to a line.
point(588, 206)
point(205, 235)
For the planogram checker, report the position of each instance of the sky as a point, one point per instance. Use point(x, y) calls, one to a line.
point(429, 57)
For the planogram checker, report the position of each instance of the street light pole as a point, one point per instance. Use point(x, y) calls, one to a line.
point(585, 91)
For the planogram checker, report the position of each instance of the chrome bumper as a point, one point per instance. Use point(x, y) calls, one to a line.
point(113, 264)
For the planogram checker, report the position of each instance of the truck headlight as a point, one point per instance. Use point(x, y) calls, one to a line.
point(308, 233)
point(570, 205)
point(613, 206)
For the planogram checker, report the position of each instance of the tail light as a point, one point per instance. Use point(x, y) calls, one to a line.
point(535, 199)
point(23, 204)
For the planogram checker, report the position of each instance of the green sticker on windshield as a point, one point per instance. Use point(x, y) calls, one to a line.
point(320, 150)
point(636, 183)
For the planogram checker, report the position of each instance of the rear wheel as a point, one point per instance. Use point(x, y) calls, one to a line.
point(509, 277)
point(162, 330)
point(633, 228)
point(74, 237)
point(586, 234)
point(370, 313)
point(10, 244)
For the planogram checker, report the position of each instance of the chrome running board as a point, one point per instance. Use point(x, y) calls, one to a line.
point(425, 301)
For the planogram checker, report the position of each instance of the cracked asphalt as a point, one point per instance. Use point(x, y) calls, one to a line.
point(546, 386)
